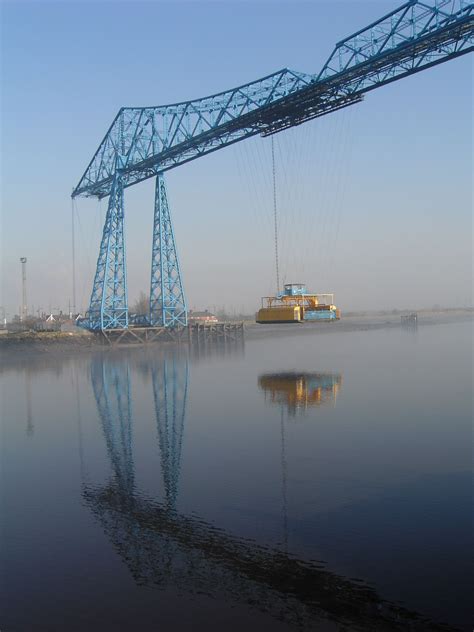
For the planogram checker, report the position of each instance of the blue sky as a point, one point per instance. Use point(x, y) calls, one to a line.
point(375, 202)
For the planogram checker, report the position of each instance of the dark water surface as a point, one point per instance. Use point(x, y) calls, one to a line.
point(304, 482)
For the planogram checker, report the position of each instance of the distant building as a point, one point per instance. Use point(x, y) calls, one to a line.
point(49, 324)
point(202, 317)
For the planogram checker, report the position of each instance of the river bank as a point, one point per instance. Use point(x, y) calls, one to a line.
point(83, 341)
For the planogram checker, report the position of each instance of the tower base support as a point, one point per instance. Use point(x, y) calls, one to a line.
point(167, 300)
point(108, 308)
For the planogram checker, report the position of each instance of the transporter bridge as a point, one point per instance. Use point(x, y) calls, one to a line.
point(145, 142)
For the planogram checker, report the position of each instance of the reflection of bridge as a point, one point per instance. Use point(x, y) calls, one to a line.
point(164, 548)
point(299, 391)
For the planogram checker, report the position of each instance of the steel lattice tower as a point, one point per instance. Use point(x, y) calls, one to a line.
point(108, 307)
point(167, 301)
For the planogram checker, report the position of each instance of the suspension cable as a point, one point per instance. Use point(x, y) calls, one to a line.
point(73, 253)
point(275, 218)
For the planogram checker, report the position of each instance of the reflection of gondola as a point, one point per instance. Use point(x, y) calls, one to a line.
point(165, 548)
point(298, 391)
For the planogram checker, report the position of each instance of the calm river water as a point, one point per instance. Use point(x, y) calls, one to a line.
point(296, 482)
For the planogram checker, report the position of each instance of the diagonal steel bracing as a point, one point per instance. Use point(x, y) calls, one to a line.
point(108, 307)
point(167, 302)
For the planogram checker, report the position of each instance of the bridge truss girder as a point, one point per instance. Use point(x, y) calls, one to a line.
point(153, 139)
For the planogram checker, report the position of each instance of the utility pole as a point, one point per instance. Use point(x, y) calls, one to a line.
point(24, 308)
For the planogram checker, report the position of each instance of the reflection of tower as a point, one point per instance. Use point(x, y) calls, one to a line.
point(111, 384)
point(24, 308)
point(29, 415)
point(170, 387)
point(299, 391)
point(284, 483)
point(79, 423)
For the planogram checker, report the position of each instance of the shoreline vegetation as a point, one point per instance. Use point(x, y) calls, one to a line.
point(81, 340)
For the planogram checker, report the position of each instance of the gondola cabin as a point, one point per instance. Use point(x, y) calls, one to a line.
point(296, 305)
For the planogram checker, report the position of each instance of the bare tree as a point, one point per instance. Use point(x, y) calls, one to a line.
point(141, 305)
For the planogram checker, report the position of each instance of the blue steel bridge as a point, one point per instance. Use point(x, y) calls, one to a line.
point(144, 142)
